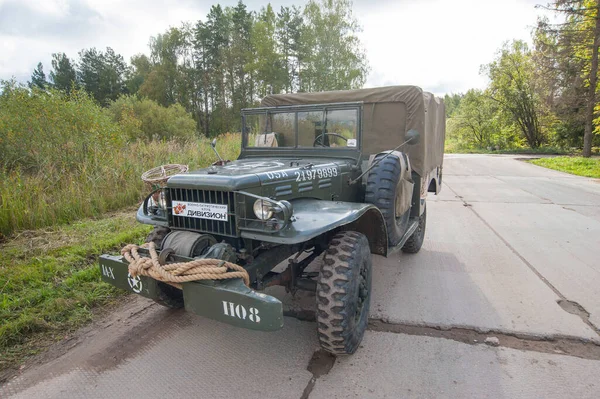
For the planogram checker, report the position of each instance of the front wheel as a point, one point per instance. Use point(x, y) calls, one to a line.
point(344, 293)
point(415, 241)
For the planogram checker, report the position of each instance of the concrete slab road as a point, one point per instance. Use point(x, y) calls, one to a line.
point(503, 301)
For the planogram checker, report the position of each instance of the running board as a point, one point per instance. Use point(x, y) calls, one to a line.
point(412, 226)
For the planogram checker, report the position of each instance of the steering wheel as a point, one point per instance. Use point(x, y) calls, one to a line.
point(320, 137)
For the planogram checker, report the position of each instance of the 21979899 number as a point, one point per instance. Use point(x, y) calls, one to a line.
point(323, 173)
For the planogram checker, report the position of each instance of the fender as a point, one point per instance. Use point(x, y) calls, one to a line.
point(313, 217)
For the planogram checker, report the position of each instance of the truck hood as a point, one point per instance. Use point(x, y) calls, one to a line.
point(252, 172)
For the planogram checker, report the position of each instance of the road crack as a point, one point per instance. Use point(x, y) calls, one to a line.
point(320, 364)
point(557, 345)
point(584, 315)
point(566, 346)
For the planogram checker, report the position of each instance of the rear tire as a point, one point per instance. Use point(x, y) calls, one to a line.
point(383, 189)
point(415, 241)
point(168, 295)
point(344, 293)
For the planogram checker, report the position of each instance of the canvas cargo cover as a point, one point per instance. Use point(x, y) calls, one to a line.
point(388, 113)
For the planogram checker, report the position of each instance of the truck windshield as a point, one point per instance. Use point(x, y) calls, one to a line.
point(332, 128)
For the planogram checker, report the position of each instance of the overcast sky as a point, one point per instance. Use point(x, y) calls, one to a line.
point(436, 44)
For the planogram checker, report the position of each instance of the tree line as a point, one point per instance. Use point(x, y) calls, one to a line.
point(228, 61)
point(539, 95)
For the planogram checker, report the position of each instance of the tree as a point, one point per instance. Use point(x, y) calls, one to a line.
point(102, 74)
point(233, 58)
point(63, 75)
point(38, 77)
point(268, 62)
point(559, 82)
point(452, 103)
point(165, 52)
point(137, 74)
point(289, 28)
point(477, 121)
point(112, 76)
point(512, 86)
point(241, 54)
point(331, 53)
point(573, 58)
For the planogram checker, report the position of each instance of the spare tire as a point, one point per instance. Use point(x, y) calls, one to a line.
point(384, 188)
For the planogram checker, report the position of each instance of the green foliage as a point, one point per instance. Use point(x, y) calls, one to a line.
point(38, 77)
point(564, 56)
point(289, 38)
point(234, 57)
point(512, 85)
point(102, 74)
point(64, 157)
point(588, 167)
point(145, 119)
point(63, 75)
point(106, 182)
point(230, 60)
point(479, 123)
point(135, 76)
point(333, 58)
point(51, 132)
point(452, 102)
point(268, 64)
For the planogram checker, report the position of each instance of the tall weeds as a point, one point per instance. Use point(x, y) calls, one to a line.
point(62, 158)
point(103, 182)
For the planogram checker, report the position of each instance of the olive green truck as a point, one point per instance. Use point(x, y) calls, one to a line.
point(330, 177)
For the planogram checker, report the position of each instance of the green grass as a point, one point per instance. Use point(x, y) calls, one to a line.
point(50, 282)
point(452, 147)
point(588, 167)
point(106, 181)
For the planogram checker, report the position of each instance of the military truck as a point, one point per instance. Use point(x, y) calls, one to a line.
point(330, 177)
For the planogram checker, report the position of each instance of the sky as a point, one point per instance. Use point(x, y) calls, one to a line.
point(436, 44)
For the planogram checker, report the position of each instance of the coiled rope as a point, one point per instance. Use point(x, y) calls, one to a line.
point(177, 273)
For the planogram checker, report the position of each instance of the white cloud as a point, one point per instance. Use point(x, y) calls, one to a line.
point(30, 34)
point(440, 45)
point(436, 44)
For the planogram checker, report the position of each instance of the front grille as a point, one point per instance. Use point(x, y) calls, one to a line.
point(227, 228)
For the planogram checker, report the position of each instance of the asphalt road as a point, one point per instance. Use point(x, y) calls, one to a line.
point(511, 252)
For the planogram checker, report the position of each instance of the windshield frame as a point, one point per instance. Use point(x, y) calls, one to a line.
point(342, 151)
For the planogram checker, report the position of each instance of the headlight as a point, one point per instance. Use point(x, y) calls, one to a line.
point(263, 209)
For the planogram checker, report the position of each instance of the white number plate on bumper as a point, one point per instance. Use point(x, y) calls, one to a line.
point(200, 210)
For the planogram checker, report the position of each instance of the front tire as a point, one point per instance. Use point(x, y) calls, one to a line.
point(344, 293)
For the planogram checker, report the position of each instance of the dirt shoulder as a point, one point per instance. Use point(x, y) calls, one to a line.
point(51, 285)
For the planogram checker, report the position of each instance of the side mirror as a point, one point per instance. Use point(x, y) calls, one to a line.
point(412, 137)
point(213, 144)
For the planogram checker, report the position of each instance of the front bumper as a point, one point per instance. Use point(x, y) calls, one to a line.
point(229, 301)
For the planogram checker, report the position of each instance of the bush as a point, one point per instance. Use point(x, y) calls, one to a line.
point(64, 158)
point(52, 131)
point(146, 119)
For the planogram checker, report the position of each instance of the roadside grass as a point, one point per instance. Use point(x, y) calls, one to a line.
point(453, 148)
point(103, 182)
point(588, 167)
point(50, 282)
